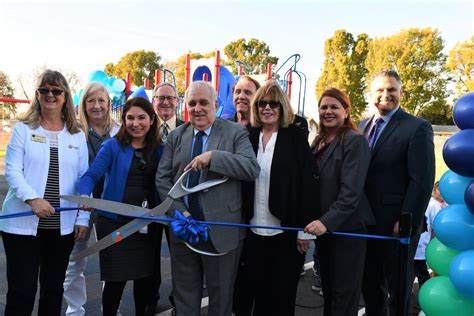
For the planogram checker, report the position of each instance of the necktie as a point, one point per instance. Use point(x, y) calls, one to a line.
point(374, 132)
point(164, 131)
point(193, 180)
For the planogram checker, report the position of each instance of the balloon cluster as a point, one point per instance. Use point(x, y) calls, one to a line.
point(451, 254)
point(115, 87)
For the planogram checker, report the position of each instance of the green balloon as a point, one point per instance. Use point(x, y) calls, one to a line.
point(438, 297)
point(439, 257)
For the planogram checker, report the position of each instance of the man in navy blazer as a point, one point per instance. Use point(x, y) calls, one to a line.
point(399, 180)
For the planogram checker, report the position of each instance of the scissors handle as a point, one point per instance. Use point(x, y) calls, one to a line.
point(180, 189)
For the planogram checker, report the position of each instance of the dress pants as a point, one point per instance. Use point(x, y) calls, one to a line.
point(382, 279)
point(341, 260)
point(188, 270)
point(46, 254)
point(274, 266)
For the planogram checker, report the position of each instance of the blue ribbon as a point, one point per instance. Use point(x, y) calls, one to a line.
point(190, 230)
point(187, 229)
point(30, 213)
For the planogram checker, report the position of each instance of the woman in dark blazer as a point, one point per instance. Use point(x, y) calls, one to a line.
point(342, 155)
point(277, 198)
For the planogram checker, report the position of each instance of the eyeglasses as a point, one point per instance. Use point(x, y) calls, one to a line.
point(162, 98)
point(263, 104)
point(53, 91)
point(142, 162)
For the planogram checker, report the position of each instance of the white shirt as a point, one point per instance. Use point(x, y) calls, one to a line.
point(262, 215)
point(171, 123)
point(26, 172)
point(432, 210)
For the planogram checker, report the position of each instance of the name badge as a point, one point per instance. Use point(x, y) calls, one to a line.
point(38, 138)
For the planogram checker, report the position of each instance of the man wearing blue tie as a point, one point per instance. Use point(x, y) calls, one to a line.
point(211, 148)
point(398, 184)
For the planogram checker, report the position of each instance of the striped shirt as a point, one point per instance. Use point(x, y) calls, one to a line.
point(51, 192)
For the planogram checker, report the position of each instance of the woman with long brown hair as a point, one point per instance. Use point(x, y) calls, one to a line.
point(342, 156)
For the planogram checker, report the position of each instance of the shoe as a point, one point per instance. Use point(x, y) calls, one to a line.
point(316, 288)
point(302, 272)
point(317, 283)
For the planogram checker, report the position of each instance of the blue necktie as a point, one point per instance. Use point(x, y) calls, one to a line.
point(193, 180)
point(374, 132)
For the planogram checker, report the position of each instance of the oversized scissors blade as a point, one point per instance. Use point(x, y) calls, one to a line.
point(125, 231)
point(115, 207)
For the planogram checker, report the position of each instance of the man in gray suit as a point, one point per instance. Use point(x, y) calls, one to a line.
point(226, 151)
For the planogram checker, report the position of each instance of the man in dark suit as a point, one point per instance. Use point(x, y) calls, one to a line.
point(226, 151)
point(165, 101)
point(399, 182)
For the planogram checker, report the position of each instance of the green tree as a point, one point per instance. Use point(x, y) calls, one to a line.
point(344, 68)
point(141, 64)
point(178, 67)
point(417, 55)
point(461, 65)
point(7, 109)
point(254, 53)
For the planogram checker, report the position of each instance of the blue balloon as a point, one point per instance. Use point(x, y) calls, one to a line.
point(461, 273)
point(99, 76)
point(458, 153)
point(463, 111)
point(454, 227)
point(452, 187)
point(469, 197)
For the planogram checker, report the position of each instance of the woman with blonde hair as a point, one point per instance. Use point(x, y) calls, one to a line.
point(95, 117)
point(46, 139)
point(279, 197)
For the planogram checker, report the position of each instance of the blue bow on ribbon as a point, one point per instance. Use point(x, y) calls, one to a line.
point(187, 229)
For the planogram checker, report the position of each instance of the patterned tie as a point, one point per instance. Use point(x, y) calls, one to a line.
point(193, 180)
point(164, 131)
point(374, 132)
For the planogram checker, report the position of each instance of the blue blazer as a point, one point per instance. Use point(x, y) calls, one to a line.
point(113, 161)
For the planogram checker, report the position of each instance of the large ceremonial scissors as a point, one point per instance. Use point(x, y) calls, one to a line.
point(177, 191)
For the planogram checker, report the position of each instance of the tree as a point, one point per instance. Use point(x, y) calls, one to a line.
point(178, 67)
point(417, 55)
point(141, 64)
point(461, 65)
point(7, 109)
point(254, 53)
point(344, 68)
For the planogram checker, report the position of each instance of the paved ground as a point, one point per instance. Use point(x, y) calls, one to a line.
point(308, 302)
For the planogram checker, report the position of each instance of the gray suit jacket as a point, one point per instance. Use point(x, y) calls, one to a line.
point(343, 168)
point(232, 156)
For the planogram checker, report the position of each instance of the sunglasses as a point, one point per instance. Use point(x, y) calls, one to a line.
point(263, 104)
point(142, 163)
point(53, 91)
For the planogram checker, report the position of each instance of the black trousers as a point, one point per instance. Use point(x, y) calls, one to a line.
point(46, 254)
point(421, 271)
point(156, 230)
point(273, 270)
point(382, 279)
point(342, 265)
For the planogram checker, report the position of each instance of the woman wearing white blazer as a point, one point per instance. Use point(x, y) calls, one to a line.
point(45, 158)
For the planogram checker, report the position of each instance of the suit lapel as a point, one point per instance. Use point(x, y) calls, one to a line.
point(329, 151)
point(388, 130)
point(186, 146)
point(365, 125)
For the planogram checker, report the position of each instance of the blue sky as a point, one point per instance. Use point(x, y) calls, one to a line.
point(85, 35)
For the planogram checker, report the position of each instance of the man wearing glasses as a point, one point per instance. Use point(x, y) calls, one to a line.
point(165, 101)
